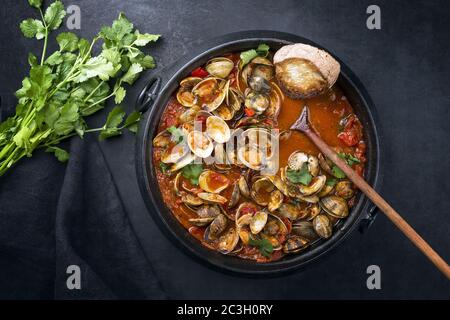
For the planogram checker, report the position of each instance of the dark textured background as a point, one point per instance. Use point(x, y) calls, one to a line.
point(405, 68)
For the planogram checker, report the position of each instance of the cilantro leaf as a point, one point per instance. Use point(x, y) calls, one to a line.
point(349, 158)
point(111, 127)
point(67, 41)
point(264, 246)
point(96, 67)
point(32, 28)
point(132, 74)
point(249, 55)
point(331, 182)
point(177, 134)
point(192, 172)
point(299, 176)
point(54, 15)
point(68, 117)
point(132, 121)
point(337, 172)
point(35, 3)
point(120, 95)
point(145, 38)
point(112, 55)
point(119, 29)
point(263, 50)
point(61, 154)
point(164, 167)
point(54, 59)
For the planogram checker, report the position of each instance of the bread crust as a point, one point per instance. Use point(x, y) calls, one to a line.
point(328, 67)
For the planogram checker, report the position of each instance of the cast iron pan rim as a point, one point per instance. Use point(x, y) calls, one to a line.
point(233, 264)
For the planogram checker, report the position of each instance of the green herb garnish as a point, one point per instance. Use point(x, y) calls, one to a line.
point(177, 134)
point(249, 55)
point(349, 158)
point(337, 172)
point(264, 246)
point(192, 172)
point(65, 86)
point(164, 167)
point(299, 176)
point(331, 182)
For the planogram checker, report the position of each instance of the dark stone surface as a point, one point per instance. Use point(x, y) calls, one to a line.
point(405, 68)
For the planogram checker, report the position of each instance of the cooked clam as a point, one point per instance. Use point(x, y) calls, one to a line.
point(258, 222)
point(243, 187)
point(325, 164)
point(275, 200)
point(234, 99)
point(200, 222)
point(175, 153)
point(297, 159)
point(235, 196)
point(217, 129)
point(315, 186)
point(259, 84)
point(208, 211)
point(219, 67)
point(217, 226)
point(326, 190)
point(224, 112)
point(213, 182)
point(335, 206)
point(313, 165)
point(261, 191)
point(210, 93)
point(184, 95)
point(313, 210)
point(187, 159)
point(200, 144)
point(304, 229)
point(322, 226)
point(212, 197)
point(162, 139)
point(279, 184)
point(251, 157)
point(295, 244)
point(228, 241)
point(344, 189)
point(291, 211)
point(191, 200)
point(258, 102)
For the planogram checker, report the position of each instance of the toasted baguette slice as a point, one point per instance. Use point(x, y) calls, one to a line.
point(304, 71)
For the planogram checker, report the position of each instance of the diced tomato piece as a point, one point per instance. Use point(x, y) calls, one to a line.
point(352, 132)
point(199, 72)
point(249, 112)
point(348, 137)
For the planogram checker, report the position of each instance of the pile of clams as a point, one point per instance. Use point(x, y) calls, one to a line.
point(232, 202)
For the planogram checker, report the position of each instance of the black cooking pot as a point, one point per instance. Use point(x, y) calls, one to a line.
point(152, 102)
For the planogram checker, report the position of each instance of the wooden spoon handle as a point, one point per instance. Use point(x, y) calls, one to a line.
point(381, 203)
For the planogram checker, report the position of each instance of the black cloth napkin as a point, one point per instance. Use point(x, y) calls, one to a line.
point(54, 215)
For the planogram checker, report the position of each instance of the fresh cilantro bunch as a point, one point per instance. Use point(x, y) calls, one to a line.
point(72, 83)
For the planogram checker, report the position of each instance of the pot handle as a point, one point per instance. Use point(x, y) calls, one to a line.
point(148, 94)
point(371, 214)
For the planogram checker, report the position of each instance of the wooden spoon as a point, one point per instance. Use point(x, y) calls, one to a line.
point(302, 124)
